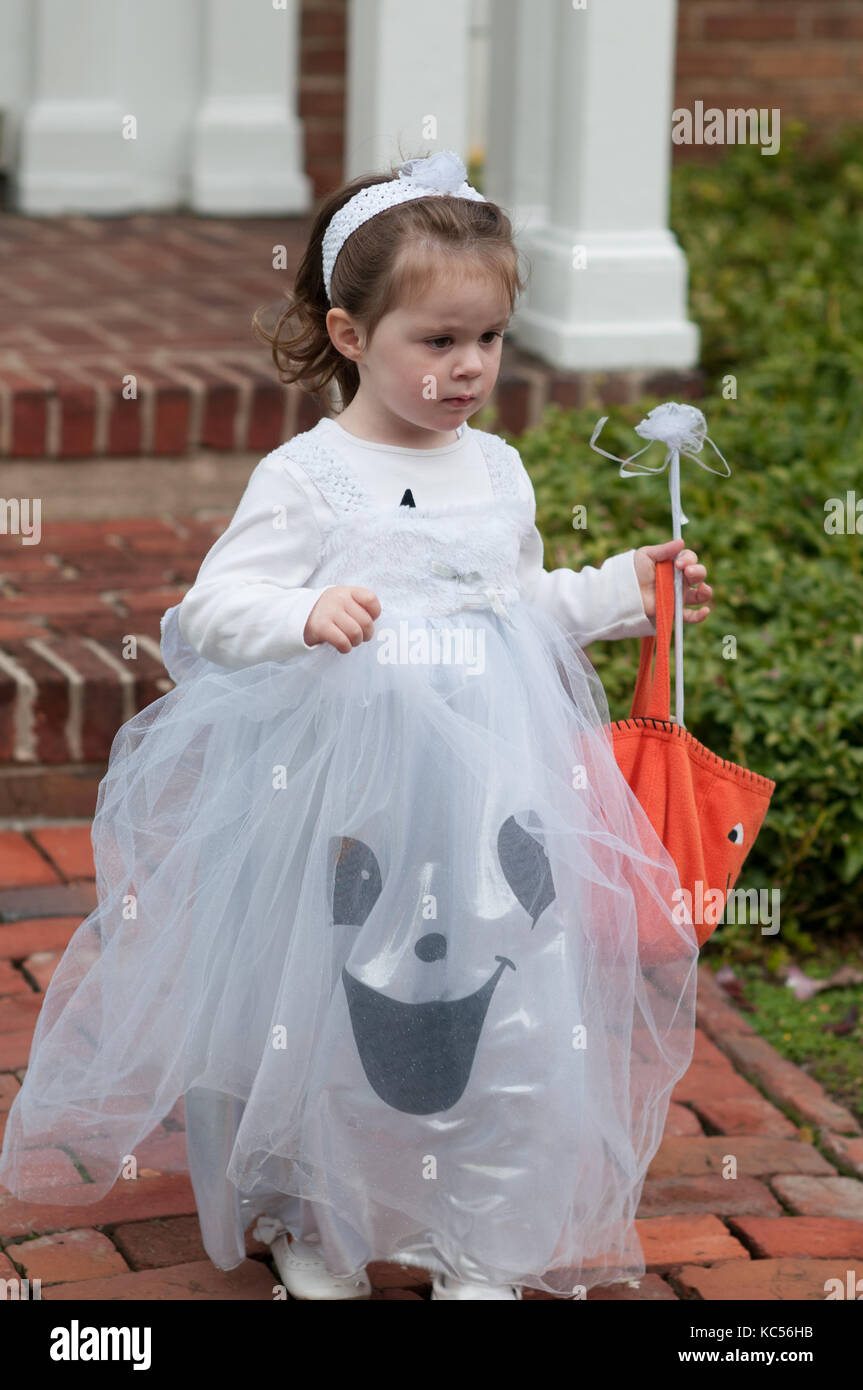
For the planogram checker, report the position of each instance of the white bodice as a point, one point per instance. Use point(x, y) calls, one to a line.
point(431, 561)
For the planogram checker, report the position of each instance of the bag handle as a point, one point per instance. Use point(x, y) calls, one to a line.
point(652, 698)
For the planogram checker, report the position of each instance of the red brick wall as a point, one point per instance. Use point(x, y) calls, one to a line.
point(323, 29)
point(803, 56)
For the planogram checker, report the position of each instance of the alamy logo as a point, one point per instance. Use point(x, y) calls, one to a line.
point(15, 518)
point(77, 1343)
point(432, 646)
point(736, 126)
point(20, 1290)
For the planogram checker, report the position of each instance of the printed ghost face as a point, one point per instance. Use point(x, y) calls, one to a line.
point(717, 859)
point(417, 1054)
point(737, 836)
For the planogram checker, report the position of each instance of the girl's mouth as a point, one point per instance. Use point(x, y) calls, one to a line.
point(459, 400)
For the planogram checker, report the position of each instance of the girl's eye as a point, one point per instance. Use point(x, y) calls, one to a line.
point(490, 336)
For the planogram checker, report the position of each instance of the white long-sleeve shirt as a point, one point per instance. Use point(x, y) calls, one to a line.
point(256, 585)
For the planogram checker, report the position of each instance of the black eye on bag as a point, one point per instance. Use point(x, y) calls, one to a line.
point(357, 883)
point(525, 866)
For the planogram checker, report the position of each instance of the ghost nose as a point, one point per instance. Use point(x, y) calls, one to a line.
point(432, 946)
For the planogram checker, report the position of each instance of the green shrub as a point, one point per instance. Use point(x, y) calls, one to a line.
point(776, 286)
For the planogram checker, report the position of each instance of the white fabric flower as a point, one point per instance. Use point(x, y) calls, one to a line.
point(680, 427)
point(441, 172)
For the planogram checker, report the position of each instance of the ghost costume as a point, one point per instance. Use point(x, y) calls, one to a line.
point(376, 916)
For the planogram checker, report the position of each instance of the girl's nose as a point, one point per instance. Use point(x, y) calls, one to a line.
point(432, 946)
point(470, 367)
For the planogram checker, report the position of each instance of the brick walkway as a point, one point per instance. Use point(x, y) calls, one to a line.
point(790, 1219)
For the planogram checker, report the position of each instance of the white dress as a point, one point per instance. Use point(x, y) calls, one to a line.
point(376, 915)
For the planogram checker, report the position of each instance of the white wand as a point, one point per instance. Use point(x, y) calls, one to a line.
point(683, 430)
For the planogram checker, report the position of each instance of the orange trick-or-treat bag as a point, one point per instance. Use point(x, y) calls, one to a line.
point(707, 811)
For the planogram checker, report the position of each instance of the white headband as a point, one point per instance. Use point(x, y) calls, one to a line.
point(429, 176)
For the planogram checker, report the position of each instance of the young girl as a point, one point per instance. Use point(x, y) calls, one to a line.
point(371, 884)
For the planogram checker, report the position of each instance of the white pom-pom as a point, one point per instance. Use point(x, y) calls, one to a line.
point(441, 172)
point(681, 427)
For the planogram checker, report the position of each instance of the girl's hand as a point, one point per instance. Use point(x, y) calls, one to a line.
point(694, 591)
point(343, 617)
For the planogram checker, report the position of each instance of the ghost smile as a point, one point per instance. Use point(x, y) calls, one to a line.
point(418, 1057)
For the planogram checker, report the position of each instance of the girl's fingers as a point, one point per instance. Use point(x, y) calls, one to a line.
point(350, 627)
point(693, 572)
point(361, 616)
point(698, 591)
point(336, 638)
point(367, 598)
point(351, 624)
point(691, 615)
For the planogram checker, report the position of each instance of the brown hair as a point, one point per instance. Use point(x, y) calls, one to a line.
point(387, 261)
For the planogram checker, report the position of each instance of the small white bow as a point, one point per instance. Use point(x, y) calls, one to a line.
point(266, 1229)
point(449, 572)
point(489, 596)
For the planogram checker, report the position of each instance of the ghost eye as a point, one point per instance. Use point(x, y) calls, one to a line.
point(357, 883)
point(736, 835)
point(525, 866)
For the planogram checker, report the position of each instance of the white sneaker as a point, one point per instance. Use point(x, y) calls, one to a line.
point(302, 1269)
point(442, 1287)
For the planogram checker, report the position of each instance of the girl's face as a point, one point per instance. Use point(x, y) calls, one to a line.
point(445, 345)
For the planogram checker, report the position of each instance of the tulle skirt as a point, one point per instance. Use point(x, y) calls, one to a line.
point(378, 918)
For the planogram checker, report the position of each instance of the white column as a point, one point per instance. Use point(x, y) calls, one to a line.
point(247, 149)
point(407, 81)
point(612, 91)
point(518, 147)
point(73, 156)
point(16, 72)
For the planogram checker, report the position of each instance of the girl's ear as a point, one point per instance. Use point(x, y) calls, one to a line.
point(344, 334)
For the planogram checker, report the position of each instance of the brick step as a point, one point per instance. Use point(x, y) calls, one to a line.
point(233, 401)
point(79, 648)
point(182, 401)
point(134, 336)
point(64, 697)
